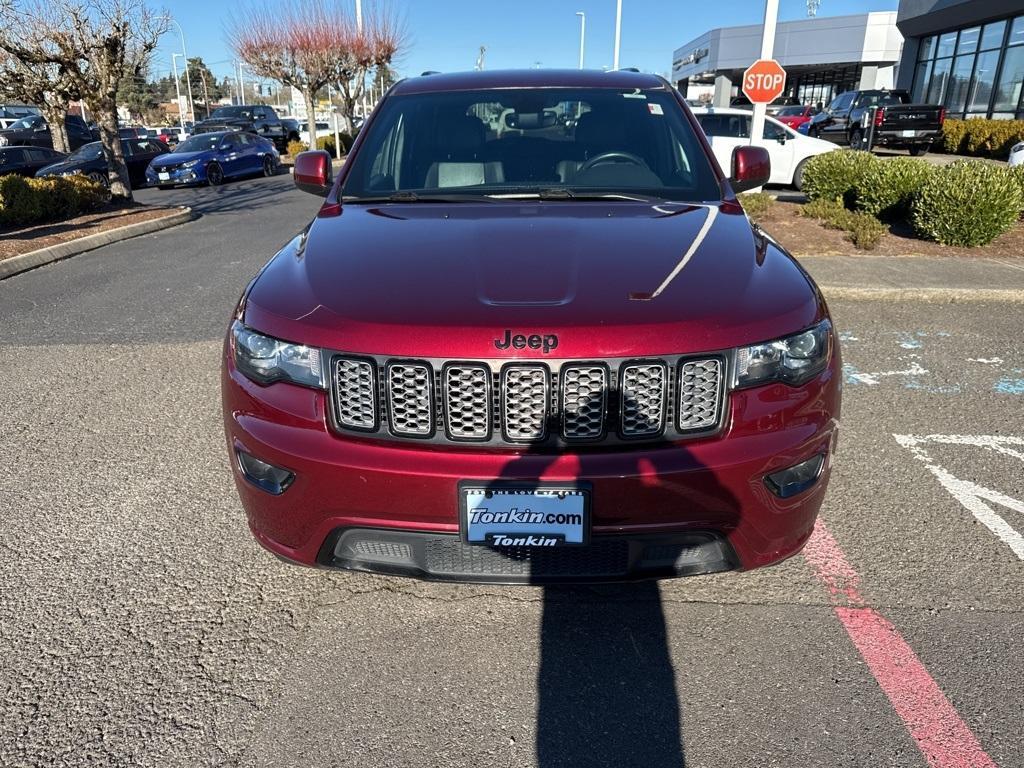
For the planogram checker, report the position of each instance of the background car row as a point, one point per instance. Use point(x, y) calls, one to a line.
point(209, 158)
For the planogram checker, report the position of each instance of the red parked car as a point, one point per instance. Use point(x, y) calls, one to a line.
point(505, 351)
point(796, 116)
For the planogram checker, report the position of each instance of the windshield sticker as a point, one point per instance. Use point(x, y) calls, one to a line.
point(655, 109)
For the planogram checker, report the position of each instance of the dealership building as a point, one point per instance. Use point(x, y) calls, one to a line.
point(823, 56)
point(965, 54)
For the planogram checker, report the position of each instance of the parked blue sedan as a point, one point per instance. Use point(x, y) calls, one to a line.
point(210, 158)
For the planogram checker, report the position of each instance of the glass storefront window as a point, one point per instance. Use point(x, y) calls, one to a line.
point(927, 48)
point(1010, 80)
point(1017, 32)
point(982, 82)
point(992, 37)
point(968, 40)
point(959, 83)
point(947, 43)
point(921, 76)
point(937, 84)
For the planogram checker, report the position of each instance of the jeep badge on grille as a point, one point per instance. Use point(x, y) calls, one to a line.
point(520, 341)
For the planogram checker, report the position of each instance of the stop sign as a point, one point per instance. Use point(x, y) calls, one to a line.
point(764, 81)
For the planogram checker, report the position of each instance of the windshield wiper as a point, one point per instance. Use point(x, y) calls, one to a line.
point(562, 193)
point(417, 197)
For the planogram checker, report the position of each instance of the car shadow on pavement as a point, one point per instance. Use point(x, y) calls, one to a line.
point(606, 687)
point(245, 194)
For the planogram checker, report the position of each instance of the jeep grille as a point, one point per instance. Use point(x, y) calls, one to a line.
point(501, 403)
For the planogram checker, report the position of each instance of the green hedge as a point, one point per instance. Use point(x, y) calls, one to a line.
point(978, 136)
point(327, 142)
point(862, 229)
point(836, 175)
point(968, 203)
point(30, 201)
point(887, 188)
point(756, 204)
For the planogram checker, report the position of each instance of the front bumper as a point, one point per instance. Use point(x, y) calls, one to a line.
point(681, 508)
point(177, 177)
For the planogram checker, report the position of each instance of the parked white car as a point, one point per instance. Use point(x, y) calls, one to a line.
point(728, 128)
point(1017, 155)
point(323, 128)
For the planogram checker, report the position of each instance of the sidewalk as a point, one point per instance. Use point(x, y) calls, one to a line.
point(919, 278)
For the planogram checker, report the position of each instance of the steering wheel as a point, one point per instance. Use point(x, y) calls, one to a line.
point(612, 157)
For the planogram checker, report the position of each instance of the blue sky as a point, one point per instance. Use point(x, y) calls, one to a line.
point(446, 34)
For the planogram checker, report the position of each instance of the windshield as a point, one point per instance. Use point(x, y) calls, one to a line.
point(243, 112)
point(201, 142)
point(791, 111)
point(87, 151)
point(25, 123)
point(514, 142)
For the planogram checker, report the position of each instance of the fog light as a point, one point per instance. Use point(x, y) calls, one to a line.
point(271, 479)
point(795, 479)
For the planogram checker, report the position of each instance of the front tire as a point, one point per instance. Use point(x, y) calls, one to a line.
point(856, 139)
point(214, 174)
point(798, 176)
point(268, 165)
point(98, 177)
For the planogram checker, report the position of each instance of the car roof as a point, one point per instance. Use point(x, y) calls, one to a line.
point(527, 78)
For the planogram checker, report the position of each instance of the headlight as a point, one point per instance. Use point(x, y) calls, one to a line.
point(191, 163)
point(3, 141)
point(793, 360)
point(266, 360)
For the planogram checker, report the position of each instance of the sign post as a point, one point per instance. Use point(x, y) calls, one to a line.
point(771, 16)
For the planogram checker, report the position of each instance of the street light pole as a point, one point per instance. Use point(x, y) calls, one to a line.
point(618, 32)
point(771, 17)
point(188, 78)
point(177, 88)
point(583, 33)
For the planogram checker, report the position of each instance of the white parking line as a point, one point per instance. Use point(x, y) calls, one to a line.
point(971, 495)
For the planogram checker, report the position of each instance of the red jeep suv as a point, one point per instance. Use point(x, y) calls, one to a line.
point(532, 337)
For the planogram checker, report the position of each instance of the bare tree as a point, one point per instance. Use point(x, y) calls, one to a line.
point(311, 44)
point(374, 49)
point(47, 86)
point(97, 44)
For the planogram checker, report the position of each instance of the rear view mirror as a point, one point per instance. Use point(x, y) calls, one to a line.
point(751, 167)
point(313, 172)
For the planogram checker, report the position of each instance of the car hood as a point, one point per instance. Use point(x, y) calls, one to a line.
point(176, 158)
point(66, 166)
point(447, 280)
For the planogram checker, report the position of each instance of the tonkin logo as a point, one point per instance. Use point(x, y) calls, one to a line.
point(520, 341)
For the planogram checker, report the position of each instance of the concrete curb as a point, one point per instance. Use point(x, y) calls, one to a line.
point(925, 295)
point(26, 261)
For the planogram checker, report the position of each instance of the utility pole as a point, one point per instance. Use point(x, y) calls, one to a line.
point(771, 17)
point(177, 90)
point(206, 94)
point(583, 33)
point(618, 32)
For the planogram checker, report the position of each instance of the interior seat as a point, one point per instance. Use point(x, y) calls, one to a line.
point(460, 162)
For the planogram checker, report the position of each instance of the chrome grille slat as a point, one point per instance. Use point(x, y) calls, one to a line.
point(524, 402)
point(584, 401)
point(642, 399)
point(410, 399)
point(699, 387)
point(496, 402)
point(467, 401)
point(355, 393)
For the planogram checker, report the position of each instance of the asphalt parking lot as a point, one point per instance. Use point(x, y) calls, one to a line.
point(141, 625)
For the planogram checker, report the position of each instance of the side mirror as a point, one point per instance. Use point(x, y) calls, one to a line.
point(751, 168)
point(781, 138)
point(313, 172)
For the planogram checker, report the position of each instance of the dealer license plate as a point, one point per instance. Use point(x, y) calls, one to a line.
point(509, 515)
point(164, 176)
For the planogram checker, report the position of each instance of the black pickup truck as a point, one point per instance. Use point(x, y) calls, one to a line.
point(257, 118)
point(897, 122)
